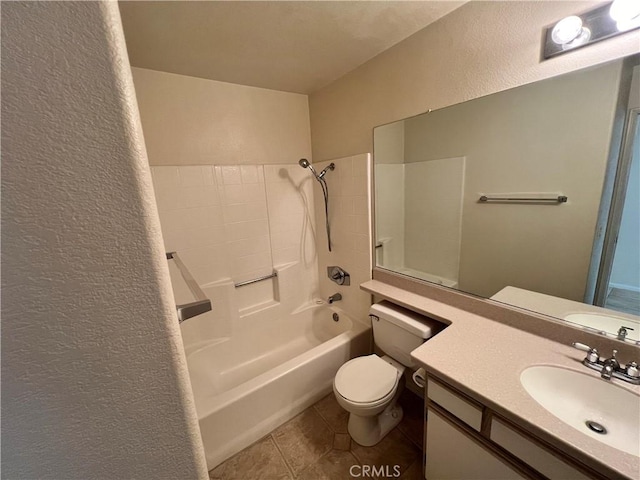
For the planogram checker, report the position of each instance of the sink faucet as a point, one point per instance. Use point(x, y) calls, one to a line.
point(334, 298)
point(609, 366)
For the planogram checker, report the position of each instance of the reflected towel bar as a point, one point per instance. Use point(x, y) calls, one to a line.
point(255, 280)
point(558, 199)
point(201, 304)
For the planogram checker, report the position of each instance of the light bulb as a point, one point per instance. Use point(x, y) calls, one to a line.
point(581, 39)
point(624, 10)
point(566, 30)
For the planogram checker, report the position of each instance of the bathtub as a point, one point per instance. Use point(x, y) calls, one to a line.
point(250, 383)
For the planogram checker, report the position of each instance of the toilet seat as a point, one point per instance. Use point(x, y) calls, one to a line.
point(366, 380)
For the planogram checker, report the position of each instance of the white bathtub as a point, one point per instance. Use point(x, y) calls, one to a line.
point(247, 385)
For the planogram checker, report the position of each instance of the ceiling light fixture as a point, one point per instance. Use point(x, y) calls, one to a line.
point(615, 18)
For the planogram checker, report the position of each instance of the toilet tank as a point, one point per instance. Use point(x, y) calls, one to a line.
point(398, 331)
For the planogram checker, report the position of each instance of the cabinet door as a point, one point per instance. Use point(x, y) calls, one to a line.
point(451, 455)
point(456, 405)
point(532, 454)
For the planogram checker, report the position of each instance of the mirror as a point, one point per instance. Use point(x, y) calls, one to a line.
point(508, 197)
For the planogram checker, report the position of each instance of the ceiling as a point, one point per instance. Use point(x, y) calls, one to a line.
point(293, 46)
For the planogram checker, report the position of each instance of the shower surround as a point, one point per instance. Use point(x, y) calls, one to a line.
point(270, 349)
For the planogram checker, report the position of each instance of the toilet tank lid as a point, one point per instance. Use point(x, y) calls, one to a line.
point(413, 322)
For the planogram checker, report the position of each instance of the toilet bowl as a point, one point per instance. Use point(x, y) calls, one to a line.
point(368, 387)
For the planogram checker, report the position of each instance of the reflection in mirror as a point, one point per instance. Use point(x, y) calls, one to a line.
point(560, 188)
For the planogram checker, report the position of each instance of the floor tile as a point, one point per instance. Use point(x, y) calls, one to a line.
point(394, 449)
point(414, 472)
point(260, 461)
point(303, 440)
point(335, 465)
point(336, 416)
point(342, 441)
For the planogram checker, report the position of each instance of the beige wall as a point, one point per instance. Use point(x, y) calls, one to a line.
point(389, 214)
point(390, 143)
point(480, 48)
point(94, 380)
point(433, 216)
point(193, 121)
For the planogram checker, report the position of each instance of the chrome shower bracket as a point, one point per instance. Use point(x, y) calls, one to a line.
point(338, 275)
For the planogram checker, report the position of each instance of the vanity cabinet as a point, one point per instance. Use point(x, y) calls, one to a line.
point(466, 440)
point(453, 455)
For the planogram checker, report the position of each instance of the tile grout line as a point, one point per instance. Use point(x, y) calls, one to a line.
point(286, 464)
point(416, 461)
point(322, 417)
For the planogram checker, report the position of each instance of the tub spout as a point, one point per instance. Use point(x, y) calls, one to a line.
point(334, 298)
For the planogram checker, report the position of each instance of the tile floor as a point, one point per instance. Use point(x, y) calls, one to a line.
point(315, 445)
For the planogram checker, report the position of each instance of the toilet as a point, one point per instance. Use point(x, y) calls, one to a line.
point(368, 387)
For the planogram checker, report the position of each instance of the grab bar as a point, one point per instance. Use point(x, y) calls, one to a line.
point(201, 304)
point(255, 280)
point(558, 199)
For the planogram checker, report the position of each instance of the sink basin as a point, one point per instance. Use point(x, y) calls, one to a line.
point(605, 323)
point(588, 404)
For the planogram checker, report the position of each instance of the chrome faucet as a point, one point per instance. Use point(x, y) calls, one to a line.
point(334, 298)
point(610, 367)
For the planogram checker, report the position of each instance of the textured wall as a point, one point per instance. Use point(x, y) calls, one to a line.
point(94, 381)
point(478, 49)
point(193, 121)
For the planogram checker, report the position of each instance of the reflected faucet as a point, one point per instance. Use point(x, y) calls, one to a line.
point(334, 298)
point(623, 332)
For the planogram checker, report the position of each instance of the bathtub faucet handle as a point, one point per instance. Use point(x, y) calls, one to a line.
point(334, 298)
point(338, 275)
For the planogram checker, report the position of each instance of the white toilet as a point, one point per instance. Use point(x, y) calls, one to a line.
point(368, 387)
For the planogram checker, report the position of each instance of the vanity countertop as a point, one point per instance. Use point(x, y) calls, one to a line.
point(486, 362)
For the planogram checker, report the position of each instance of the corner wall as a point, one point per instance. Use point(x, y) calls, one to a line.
point(94, 379)
point(478, 49)
point(194, 121)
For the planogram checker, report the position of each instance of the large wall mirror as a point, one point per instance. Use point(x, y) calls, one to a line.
point(530, 196)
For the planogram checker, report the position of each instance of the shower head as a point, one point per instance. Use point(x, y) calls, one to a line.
point(304, 163)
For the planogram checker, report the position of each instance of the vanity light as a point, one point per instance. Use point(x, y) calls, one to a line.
point(626, 14)
point(600, 23)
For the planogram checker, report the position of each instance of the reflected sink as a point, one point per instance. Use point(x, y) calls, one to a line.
point(577, 399)
point(605, 323)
